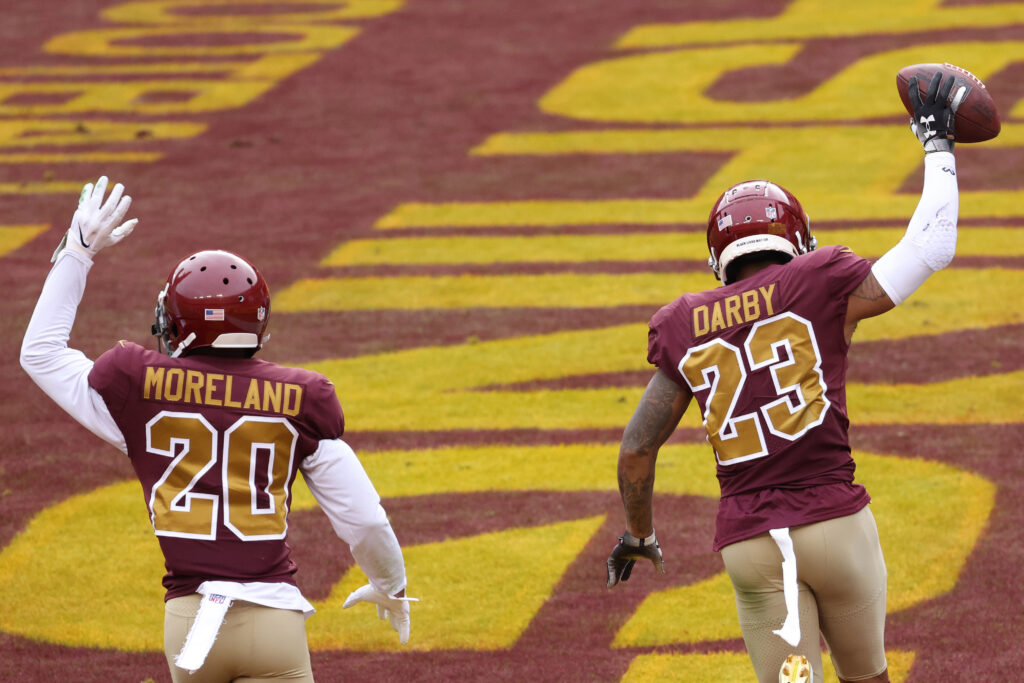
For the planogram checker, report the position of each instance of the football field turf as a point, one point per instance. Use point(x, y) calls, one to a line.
point(467, 211)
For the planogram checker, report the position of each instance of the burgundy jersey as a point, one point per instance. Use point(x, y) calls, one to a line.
point(766, 360)
point(216, 443)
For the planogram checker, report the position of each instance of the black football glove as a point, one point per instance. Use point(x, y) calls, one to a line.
point(628, 551)
point(932, 122)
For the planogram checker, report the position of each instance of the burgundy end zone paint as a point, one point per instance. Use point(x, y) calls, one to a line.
point(390, 118)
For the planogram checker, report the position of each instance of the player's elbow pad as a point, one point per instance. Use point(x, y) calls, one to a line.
point(34, 358)
point(930, 241)
point(33, 352)
point(26, 360)
point(906, 266)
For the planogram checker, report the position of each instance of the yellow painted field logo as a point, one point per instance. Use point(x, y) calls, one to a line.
point(648, 95)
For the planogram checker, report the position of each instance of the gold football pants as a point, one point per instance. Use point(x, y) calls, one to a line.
point(841, 580)
point(255, 643)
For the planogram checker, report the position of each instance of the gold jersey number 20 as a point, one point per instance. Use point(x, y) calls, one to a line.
point(253, 510)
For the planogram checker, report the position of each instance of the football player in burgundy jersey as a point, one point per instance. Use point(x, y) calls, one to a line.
point(216, 438)
point(765, 357)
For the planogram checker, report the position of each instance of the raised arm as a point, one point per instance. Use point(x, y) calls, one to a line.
point(63, 373)
point(930, 241)
point(654, 420)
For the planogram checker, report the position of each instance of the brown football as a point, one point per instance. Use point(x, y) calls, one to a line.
point(977, 118)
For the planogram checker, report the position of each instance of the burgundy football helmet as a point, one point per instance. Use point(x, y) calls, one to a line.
point(212, 299)
point(754, 216)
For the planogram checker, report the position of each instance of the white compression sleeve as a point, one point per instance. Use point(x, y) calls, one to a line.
point(63, 373)
point(930, 241)
point(341, 486)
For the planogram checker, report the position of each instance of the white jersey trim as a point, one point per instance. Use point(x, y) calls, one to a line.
point(277, 594)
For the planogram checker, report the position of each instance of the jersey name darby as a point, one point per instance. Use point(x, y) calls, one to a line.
point(177, 385)
point(733, 310)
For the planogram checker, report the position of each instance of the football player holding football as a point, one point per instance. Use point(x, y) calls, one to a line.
point(765, 356)
point(216, 438)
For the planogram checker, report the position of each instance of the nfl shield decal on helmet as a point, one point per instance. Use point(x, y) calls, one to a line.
point(261, 313)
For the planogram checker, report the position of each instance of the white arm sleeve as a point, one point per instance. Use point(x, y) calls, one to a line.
point(930, 241)
point(63, 373)
point(344, 491)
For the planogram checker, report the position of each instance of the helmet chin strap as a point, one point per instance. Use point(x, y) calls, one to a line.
point(184, 344)
point(159, 328)
point(811, 245)
point(713, 264)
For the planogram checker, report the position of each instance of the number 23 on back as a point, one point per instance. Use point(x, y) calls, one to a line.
point(799, 403)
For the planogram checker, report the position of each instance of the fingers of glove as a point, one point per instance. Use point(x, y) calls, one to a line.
point(403, 632)
point(384, 602)
point(113, 202)
point(656, 557)
point(958, 99)
point(89, 202)
point(358, 595)
point(123, 230)
point(92, 202)
point(104, 232)
point(619, 569)
point(914, 92)
point(613, 573)
point(947, 86)
point(394, 610)
point(933, 88)
point(86, 193)
point(401, 623)
point(612, 580)
point(649, 552)
point(117, 214)
point(102, 228)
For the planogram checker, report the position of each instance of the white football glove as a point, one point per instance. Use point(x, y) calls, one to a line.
point(395, 610)
point(97, 224)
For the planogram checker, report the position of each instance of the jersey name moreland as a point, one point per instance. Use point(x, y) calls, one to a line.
point(216, 444)
point(217, 389)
